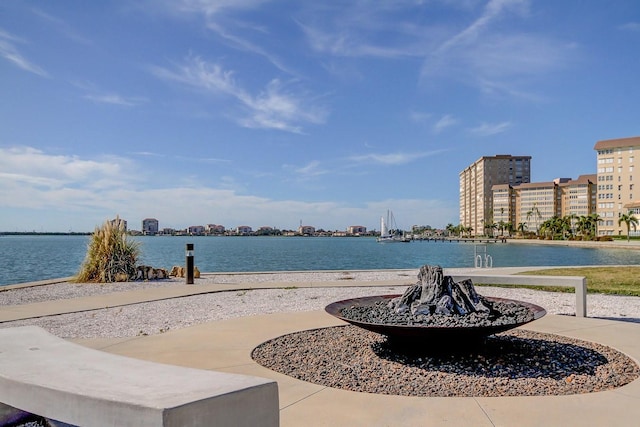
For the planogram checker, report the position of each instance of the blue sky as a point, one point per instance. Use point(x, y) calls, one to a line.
point(257, 112)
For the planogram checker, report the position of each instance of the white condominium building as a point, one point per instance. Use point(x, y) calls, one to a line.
point(618, 183)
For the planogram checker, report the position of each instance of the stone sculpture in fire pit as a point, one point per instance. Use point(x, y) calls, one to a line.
point(437, 311)
point(435, 293)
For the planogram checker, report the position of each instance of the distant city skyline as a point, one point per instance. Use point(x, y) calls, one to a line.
point(266, 113)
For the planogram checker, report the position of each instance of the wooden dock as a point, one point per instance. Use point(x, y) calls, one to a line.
point(463, 239)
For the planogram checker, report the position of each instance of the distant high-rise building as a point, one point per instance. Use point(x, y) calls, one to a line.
point(477, 181)
point(617, 180)
point(150, 226)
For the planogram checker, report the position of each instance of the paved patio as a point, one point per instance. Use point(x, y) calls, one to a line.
point(226, 346)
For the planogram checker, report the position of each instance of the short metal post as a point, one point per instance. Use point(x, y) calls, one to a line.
point(189, 262)
point(581, 298)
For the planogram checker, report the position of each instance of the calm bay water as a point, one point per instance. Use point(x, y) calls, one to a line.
point(31, 258)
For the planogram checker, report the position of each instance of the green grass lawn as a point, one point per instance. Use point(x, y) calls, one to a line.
point(600, 280)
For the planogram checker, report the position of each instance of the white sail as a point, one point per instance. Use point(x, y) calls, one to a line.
point(383, 227)
point(389, 230)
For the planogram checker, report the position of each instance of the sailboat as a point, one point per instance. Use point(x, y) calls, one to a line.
point(389, 232)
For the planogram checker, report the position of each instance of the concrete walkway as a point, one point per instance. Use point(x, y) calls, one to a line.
point(226, 346)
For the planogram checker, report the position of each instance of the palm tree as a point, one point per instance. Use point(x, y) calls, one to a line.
point(522, 228)
point(594, 219)
point(509, 228)
point(502, 226)
point(582, 225)
point(535, 213)
point(565, 225)
point(450, 229)
point(571, 219)
point(630, 221)
point(490, 226)
point(549, 226)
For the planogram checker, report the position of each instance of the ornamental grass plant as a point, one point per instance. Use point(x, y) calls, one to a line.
point(111, 257)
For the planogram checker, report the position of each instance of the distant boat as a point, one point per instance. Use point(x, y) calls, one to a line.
point(389, 232)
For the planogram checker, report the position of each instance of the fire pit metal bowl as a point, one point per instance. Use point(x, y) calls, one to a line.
point(423, 333)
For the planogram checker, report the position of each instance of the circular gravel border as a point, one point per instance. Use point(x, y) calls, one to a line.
point(514, 363)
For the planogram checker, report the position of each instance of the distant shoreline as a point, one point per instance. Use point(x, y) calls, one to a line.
point(45, 233)
point(615, 244)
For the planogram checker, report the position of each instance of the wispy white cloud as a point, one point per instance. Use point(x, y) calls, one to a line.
point(222, 18)
point(491, 52)
point(147, 154)
point(391, 159)
point(246, 45)
point(445, 122)
point(115, 99)
point(97, 95)
point(503, 87)
point(174, 157)
point(274, 107)
point(488, 129)
point(213, 7)
point(630, 26)
point(311, 169)
point(419, 116)
point(61, 26)
point(493, 10)
point(345, 44)
point(383, 30)
point(9, 52)
point(516, 55)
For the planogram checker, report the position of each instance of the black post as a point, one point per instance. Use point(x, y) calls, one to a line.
point(189, 260)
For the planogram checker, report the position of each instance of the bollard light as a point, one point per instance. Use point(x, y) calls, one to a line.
point(189, 263)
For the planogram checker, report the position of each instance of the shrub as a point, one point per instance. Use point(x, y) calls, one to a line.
point(111, 257)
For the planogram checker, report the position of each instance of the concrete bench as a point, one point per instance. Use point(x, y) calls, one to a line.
point(56, 379)
point(576, 282)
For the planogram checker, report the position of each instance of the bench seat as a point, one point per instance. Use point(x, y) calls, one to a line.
point(57, 379)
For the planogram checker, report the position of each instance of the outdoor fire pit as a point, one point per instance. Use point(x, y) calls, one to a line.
point(436, 313)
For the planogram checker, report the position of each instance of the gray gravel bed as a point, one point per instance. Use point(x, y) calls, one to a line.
point(63, 290)
point(515, 363)
point(160, 316)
